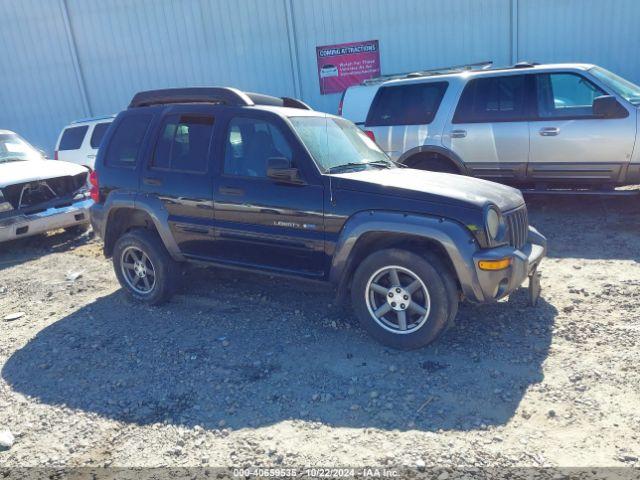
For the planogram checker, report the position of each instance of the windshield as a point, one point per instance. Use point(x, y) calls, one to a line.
point(336, 143)
point(14, 149)
point(627, 90)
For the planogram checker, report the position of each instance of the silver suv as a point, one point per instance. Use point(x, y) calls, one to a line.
point(538, 125)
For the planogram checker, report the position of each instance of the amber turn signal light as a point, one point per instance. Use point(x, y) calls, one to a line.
point(494, 264)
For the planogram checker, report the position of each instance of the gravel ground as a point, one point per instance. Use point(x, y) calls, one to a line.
point(244, 370)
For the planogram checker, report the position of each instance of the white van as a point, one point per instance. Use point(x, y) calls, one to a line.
point(79, 141)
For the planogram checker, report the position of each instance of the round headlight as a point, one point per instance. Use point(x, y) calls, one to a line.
point(493, 222)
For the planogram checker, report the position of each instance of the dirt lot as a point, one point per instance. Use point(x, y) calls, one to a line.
point(245, 370)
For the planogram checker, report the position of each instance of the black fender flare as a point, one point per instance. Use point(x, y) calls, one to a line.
point(153, 207)
point(455, 158)
point(456, 240)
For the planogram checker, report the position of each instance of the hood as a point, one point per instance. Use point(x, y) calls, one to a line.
point(12, 173)
point(432, 186)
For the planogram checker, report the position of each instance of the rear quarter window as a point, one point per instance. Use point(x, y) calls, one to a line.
point(72, 137)
point(98, 134)
point(414, 104)
point(126, 142)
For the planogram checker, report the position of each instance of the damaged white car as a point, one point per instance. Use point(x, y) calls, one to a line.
point(38, 195)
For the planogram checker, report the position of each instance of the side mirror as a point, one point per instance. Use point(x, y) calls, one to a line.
point(607, 106)
point(280, 170)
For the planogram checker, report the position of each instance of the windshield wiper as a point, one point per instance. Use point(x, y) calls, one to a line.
point(375, 163)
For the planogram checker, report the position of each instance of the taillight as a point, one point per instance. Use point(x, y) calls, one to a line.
point(95, 187)
point(55, 155)
point(370, 134)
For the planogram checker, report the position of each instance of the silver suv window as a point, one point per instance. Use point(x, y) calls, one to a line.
point(413, 104)
point(565, 95)
point(493, 99)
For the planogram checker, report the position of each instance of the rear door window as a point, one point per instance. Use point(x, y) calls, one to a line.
point(126, 142)
point(98, 133)
point(415, 104)
point(72, 138)
point(493, 99)
point(183, 144)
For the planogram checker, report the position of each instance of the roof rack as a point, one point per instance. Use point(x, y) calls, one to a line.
point(525, 64)
point(261, 99)
point(430, 72)
point(93, 119)
point(216, 95)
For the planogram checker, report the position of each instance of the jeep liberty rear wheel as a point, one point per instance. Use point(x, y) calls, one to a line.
point(144, 267)
point(402, 299)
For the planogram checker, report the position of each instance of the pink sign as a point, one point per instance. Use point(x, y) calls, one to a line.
point(346, 64)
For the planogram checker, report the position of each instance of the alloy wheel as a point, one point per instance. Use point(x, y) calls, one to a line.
point(397, 299)
point(138, 270)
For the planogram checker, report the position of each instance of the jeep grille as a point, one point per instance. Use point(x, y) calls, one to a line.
point(517, 226)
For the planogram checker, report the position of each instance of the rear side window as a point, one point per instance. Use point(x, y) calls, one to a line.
point(98, 133)
point(125, 144)
point(415, 104)
point(72, 138)
point(495, 99)
point(183, 144)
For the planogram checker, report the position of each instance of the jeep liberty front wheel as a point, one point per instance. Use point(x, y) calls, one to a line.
point(144, 267)
point(404, 300)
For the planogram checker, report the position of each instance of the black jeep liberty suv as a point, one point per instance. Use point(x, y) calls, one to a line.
point(261, 183)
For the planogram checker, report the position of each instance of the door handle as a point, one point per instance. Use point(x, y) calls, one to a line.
point(91, 156)
point(152, 181)
point(549, 131)
point(231, 191)
point(458, 133)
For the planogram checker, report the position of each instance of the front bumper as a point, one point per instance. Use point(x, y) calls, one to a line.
point(19, 226)
point(494, 285)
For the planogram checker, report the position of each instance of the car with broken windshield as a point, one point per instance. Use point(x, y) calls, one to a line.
point(217, 176)
point(38, 195)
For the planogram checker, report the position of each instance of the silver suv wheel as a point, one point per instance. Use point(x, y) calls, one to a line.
point(397, 299)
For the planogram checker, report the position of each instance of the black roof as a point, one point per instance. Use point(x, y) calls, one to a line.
point(217, 95)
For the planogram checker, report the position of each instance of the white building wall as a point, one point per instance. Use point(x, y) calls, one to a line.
point(590, 31)
point(67, 59)
point(413, 34)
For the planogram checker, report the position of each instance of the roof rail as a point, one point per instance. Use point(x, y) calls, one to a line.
point(525, 64)
point(295, 103)
point(261, 99)
point(429, 72)
point(94, 119)
point(217, 95)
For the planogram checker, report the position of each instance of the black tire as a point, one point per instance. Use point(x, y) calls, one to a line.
point(434, 164)
point(442, 298)
point(164, 268)
point(78, 229)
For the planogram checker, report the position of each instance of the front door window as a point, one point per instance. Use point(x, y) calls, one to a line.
point(249, 146)
point(565, 95)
